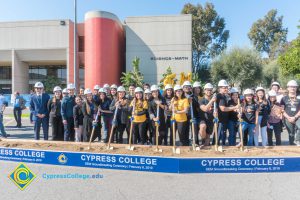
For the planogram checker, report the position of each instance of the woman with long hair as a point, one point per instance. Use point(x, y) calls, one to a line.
point(264, 111)
point(155, 103)
point(180, 106)
point(54, 107)
point(139, 108)
point(78, 120)
point(106, 114)
point(168, 96)
point(249, 115)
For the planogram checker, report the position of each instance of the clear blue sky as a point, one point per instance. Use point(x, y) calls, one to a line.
point(239, 14)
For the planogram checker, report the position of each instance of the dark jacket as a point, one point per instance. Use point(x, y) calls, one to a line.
point(67, 107)
point(78, 116)
point(54, 107)
point(122, 113)
point(39, 105)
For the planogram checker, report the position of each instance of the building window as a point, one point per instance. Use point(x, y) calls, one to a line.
point(81, 76)
point(5, 73)
point(81, 44)
point(41, 72)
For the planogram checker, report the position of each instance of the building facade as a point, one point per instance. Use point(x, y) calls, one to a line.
point(33, 51)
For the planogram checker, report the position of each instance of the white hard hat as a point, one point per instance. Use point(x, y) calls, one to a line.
point(292, 83)
point(56, 88)
point(113, 86)
point(186, 83)
point(177, 87)
point(275, 83)
point(102, 90)
point(88, 91)
point(234, 90)
point(259, 89)
point(208, 86)
point(96, 87)
point(71, 86)
point(39, 85)
point(105, 85)
point(196, 84)
point(121, 89)
point(272, 93)
point(168, 86)
point(65, 91)
point(223, 83)
point(147, 91)
point(248, 91)
point(153, 88)
point(138, 89)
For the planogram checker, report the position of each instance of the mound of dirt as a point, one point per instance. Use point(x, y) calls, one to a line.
point(167, 151)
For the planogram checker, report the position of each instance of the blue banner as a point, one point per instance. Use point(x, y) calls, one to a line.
point(153, 164)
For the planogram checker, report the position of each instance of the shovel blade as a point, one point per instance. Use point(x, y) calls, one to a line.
point(131, 148)
point(197, 149)
point(110, 148)
point(220, 148)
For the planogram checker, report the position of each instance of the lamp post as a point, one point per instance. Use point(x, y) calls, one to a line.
point(75, 43)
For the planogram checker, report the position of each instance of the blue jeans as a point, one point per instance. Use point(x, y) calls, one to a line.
point(251, 129)
point(222, 128)
point(37, 126)
point(69, 132)
point(3, 132)
point(233, 129)
point(107, 120)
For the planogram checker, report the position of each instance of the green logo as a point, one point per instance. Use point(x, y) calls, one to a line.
point(22, 176)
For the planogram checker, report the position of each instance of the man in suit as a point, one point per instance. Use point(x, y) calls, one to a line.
point(38, 106)
point(68, 102)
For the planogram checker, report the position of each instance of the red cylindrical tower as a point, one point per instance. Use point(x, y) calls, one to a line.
point(104, 48)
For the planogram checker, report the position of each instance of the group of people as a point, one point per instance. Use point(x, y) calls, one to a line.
point(193, 109)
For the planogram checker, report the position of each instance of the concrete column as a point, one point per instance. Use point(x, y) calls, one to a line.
point(20, 74)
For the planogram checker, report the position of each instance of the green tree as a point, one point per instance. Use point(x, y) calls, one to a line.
point(209, 37)
point(50, 82)
point(133, 77)
point(268, 35)
point(270, 72)
point(241, 67)
point(289, 62)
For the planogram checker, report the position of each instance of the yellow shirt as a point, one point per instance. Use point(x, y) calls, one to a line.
point(180, 105)
point(139, 108)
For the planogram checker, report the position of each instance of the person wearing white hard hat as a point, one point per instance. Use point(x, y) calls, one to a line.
point(106, 114)
point(78, 121)
point(106, 88)
point(275, 86)
point(65, 92)
point(54, 107)
point(139, 108)
point(233, 122)
point(223, 110)
point(96, 97)
point(274, 121)
point(91, 117)
point(149, 129)
point(113, 91)
point(168, 95)
point(67, 105)
point(249, 116)
point(207, 114)
point(81, 93)
point(187, 90)
point(38, 106)
point(180, 106)
point(158, 102)
point(196, 98)
point(291, 113)
point(120, 103)
point(264, 111)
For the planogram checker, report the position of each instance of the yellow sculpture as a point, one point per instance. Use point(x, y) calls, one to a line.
point(170, 79)
point(184, 77)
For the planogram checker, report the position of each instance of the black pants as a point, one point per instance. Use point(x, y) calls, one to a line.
point(162, 134)
point(277, 132)
point(139, 131)
point(17, 115)
point(196, 129)
point(119, 133)
point(183, 128)
point(69, 132)
point(57, 128)
point(169, 130)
